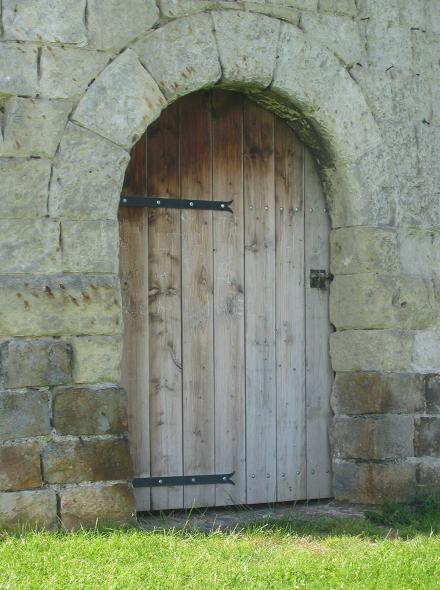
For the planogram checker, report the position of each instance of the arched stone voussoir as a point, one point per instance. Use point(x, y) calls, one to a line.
point(182, 56)
point(310, 78)
point(247, 44)
point(123, 100)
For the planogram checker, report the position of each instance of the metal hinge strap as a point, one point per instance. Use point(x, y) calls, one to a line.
point(182, 480)
point(168, 203)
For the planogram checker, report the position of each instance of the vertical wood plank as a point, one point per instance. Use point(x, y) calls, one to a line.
point(133, 224)
point(259, 207)
point(165, 310)
point(197, 298)
point(229, 297)
point(290, 320)
point(318, 368)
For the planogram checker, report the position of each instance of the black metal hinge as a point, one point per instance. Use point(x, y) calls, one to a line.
point(166, 203)
point(319, 279)
point(182, 480)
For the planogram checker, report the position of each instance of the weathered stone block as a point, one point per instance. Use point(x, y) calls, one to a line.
point(433, 394)
point(377, 393)
point(20, 466)
point(23, 188)
point(427, 436)
point(376, 86)
point(340, 35)
point(113, 24)
point(67, 304)
point(18, 69)
point(420, 251)
point(66, 72)
point(86, 506)
point(87, 177)
point(122, 101)
point(379, 10)
point(372, 483)
point(86, 460)
point(90, 410)
point(288, 11)
point(338, 7)
point(356, 250)
point(372, 350)
point(24, 413)
point(429, 474)
point(96, 359)
point(32, 509)
point(56, 22)
point(370, 301)
point(384, 437)
point(30, 246)
point(388, 45)
point(90, 246)
point(181, 56)
point(247, 46)
point(426, 356)
point(33, 126)
point(34, 363)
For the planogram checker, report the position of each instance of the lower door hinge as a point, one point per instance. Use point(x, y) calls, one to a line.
point(182, 480)
point(319, 279)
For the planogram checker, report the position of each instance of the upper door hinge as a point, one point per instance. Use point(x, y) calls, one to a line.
point(319, 279)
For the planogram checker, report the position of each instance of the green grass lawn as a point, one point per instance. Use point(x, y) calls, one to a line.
point(320, 554)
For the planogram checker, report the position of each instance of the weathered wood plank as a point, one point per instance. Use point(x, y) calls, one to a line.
point(290, 321)
point(229, 297)
point(318, 369)
point(133, 224)
point(259, 205)
point(197, 298)
point(165, 310)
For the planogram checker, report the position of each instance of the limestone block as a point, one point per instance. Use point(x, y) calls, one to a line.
point(413, 13)
point(122, 102)
point(181, 56)
point(420, 251)
point(426, 45)
point(376, 87)
point(338, 7)
point(383, 437)
point(247, 46)
point(112, 24)
point(433, 16)
point(31, 509)
point(389, 45)
point(433, 394)
point(86, 460)
point(313, 79)
point(50, 306)
point(411, 96)
point(418, 201)
point(427, 436)
point(90, 246)
point(18, 69)
point(426, 357)
point(372, 483)
point(24, 413)
point(87, 176)
point(372, 350)
point(428, 139)
point(287, 10)
point(33, 126)
point(340, 35)
point(370, 301)
point(377, 393)
point(429, 474)
point(96, 359)
point(55, 22)
point(379, 10)
point(20, 466)
point(30, 245)
point(85, 506)
point(358, 250)
point(23, 188)
point(66, 72)
point(35, 363)
point(90, 410)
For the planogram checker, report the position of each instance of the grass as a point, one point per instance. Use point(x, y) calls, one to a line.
point(322, 554)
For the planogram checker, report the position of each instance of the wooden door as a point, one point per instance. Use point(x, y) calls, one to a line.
point(226, 357)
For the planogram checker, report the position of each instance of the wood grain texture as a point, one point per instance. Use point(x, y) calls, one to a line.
point(319, 375)
point(290, 320)
point(229, 297)
point(164, 264)
point(259, 204)
point(197, 298)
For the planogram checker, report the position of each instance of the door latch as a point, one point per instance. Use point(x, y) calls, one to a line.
point(319, 279)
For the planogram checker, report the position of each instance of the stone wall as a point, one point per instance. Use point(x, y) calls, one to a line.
point(79, 83)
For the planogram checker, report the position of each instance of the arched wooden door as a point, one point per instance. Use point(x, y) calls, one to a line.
point(226, 344)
